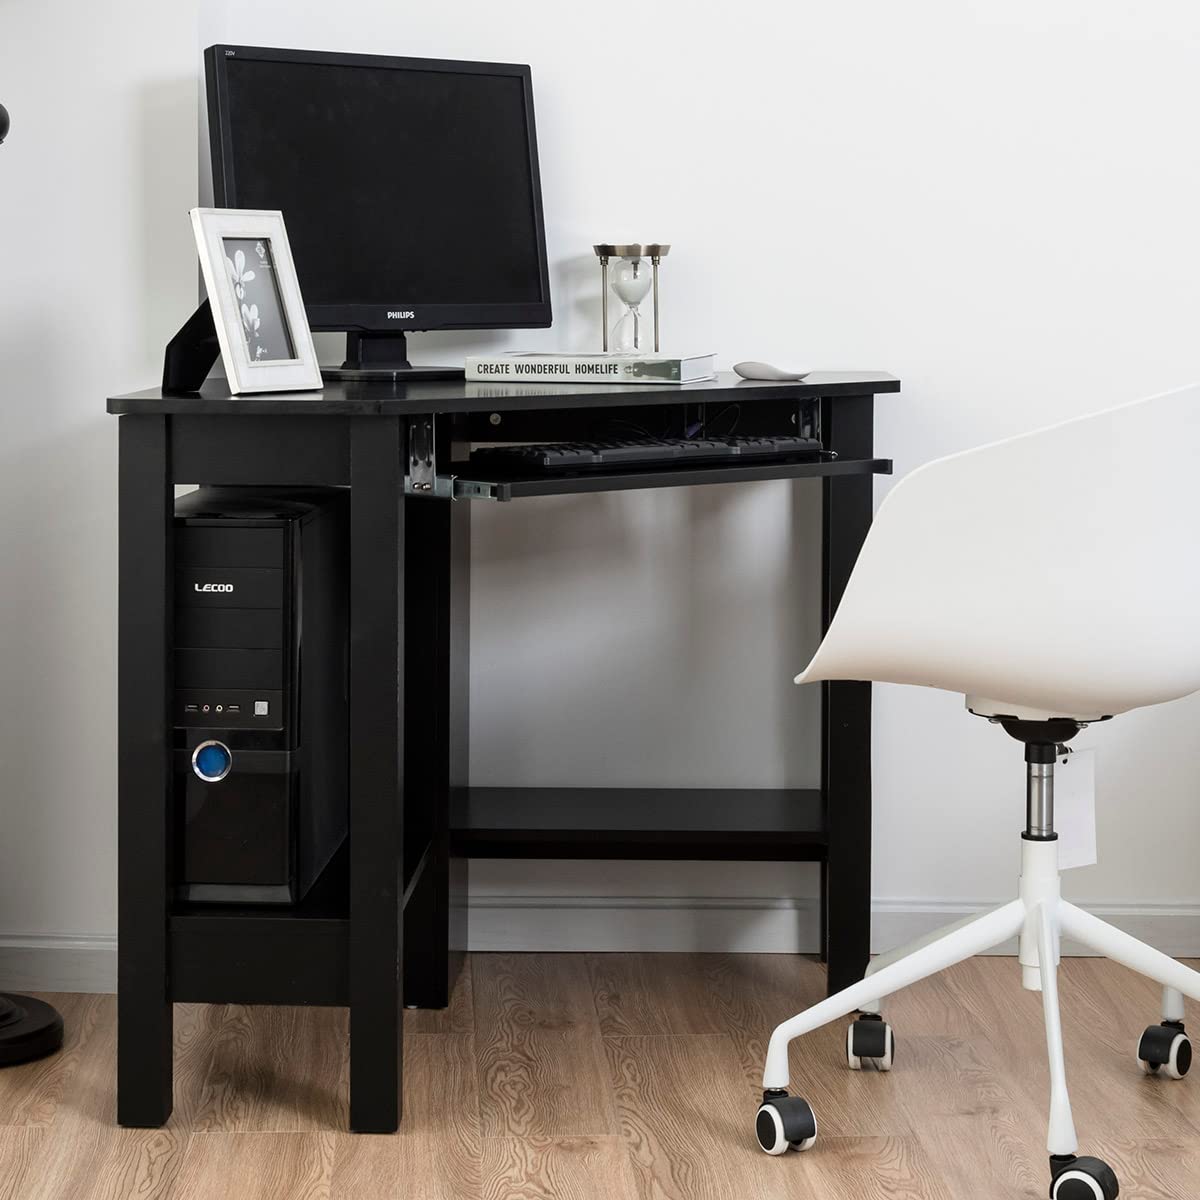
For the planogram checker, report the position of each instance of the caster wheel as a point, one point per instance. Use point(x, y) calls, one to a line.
point(1083, 1179)
point(870, 1043)
point(1165, 1050)
point(784, 1123)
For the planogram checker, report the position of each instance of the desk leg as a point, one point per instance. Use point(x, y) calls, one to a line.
point(146, 593)
point(847, 427)
point(438, 548)
point(847, 876)
point(376, 774)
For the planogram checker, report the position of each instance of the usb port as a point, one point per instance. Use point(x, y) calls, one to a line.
point(233, 708)
point(191, 708)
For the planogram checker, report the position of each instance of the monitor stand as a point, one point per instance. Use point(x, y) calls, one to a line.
point(383, 357)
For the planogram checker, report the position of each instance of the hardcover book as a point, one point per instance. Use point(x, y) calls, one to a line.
point(524, 367)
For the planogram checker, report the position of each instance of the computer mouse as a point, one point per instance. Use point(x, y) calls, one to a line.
point(762, 370)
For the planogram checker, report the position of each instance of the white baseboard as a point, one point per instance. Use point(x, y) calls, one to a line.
point(602, 923)
point(88, 963)
point(1173, 929)
point(52, 962)
point(761, 925)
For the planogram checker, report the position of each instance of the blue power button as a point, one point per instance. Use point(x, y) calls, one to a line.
point(211, 761)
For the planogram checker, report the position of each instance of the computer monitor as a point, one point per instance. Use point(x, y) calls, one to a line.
point(409, 186)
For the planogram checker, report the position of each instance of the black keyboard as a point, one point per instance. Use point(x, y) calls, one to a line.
point(642, 452)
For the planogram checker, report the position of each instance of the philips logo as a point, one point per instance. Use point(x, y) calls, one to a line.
point(213, 587)
point(407, 314)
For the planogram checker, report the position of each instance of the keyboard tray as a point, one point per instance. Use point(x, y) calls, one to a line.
point(495, 484)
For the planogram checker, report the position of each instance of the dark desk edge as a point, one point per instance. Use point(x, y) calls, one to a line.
point(380, 399)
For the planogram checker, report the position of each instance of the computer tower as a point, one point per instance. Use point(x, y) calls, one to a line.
point(260, 691)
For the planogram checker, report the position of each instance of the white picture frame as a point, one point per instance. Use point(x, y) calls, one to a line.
point(262, 329)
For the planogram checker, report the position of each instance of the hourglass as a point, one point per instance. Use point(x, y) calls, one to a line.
point(632, 279)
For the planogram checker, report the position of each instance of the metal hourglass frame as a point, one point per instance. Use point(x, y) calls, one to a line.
point(654, 251)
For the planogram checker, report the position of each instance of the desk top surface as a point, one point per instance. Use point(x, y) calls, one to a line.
point(438, 396)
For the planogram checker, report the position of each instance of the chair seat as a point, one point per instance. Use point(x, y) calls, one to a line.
point(982, 707)
point(1049, 575)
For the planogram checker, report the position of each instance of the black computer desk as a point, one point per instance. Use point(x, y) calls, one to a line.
point(385, 926)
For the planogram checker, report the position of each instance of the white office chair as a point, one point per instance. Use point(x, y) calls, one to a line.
point(1053, 579)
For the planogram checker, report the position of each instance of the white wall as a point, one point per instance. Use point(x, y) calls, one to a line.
point(95, 181)
point(994, 201)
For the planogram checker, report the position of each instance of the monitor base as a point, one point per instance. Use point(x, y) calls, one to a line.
point(408, 374)
point(383, 357)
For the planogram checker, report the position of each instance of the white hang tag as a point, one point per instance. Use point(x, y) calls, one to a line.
point(1075, 808)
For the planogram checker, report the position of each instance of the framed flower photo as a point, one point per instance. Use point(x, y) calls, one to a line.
point(250, 278)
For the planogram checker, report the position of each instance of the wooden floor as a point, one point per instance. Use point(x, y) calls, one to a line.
point(608, 1076)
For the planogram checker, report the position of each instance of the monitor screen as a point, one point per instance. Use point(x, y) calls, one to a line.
point(409, 187)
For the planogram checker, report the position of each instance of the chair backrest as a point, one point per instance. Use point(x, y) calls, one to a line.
point(1058, 570)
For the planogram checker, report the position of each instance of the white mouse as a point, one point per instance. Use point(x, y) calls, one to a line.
point(761, 370)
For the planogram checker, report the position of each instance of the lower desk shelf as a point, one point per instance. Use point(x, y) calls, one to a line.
point(781, 825)
point(260, 954)
point(263, 954)
point(248, 954)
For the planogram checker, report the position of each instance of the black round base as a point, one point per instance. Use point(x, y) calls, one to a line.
point(28, 1029)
